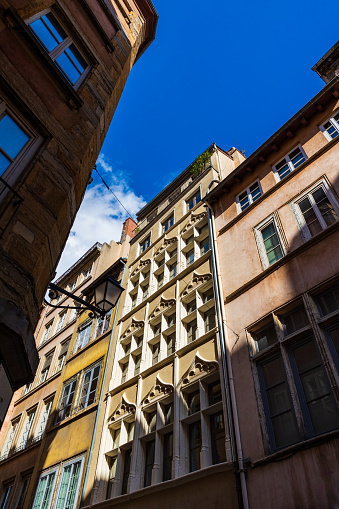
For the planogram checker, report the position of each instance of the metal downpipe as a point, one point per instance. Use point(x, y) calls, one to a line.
point(233, 420)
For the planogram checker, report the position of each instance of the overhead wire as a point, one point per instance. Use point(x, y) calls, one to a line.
point(110, 190)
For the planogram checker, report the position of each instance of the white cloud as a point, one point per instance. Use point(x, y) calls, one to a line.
point(100, 216)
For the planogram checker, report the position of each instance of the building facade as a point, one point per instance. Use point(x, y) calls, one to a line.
point(48, 434)
point(276, 219)
point(165, 434)
point(63, 66)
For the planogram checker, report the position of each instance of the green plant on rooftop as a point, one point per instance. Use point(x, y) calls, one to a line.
point(200, 163)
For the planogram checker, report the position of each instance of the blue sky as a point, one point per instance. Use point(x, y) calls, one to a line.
point(223, 72)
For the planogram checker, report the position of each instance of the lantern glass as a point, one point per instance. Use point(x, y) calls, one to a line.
point(107, 294)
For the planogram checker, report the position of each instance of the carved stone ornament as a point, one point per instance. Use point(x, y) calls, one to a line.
point(199, 367)
point(162, 306)
point(195, 218)
point(124, 408)
point(197, 280)
point(165, 244)
point(133, 327)
point(141, 265)
point(158, 390)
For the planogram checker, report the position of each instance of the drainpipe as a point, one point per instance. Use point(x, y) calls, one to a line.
point(231, 401)
point(100, 395)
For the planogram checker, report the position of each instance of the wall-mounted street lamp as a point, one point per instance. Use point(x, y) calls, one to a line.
point(106, 296)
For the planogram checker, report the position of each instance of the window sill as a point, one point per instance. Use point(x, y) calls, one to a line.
point(295, 448)
point(285, 259)
point(74, 100)
point(73, 417)
point(38, 387)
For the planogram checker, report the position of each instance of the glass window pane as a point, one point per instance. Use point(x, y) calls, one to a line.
point(168, 456)
point(317, 392)
point(295, 320)
point(194, 445)
point(265, 337)
point(325, 207)
point(43, 33)
point(218, 438)
point(67, 67)
point(279, 404)
point(193, 402)
point(329, 301)
point(296, 157)
point(55, 27)
point(334, 333)
point(4, 163)
point(12, 137)
point(214, 393)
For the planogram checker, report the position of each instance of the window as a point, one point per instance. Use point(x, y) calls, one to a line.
point(189, 257)
point(155, 353)
point(145, 244)
point(171, 320)
point(172, 270)
point(47, 332)
point(124, 369)
point(14, 139)
point(209, 318)
point(166, 225)
point(249, 196)
point(45, 490)
point(7, 449)
point(68, 485)
point(294, 320)
point(156, 329)
point(127, 467)
point(193, 402)
point(168, 414)
point(328, 301)
point(89, 387)
point(59, 45)
point(331, 127)
point(214, 393)
point(116, 438)
point(290, 162)
point(112, 463)
point(316, 210)
point(207, 295)
point(218, 438)
point(5, 498)
point(194, 200)
point(137, 362)
point(204, 246)
point(86, 273)
point(27, 388)
point(168, 457)
point(160, 279)
point(43, 420)
point(171, 344)
point(145, 292)
point(23, 492)
point(278, 405)
point(151, 421)
point(192, 331)
point(191, 306)
point(66, 401)
point(62, 355)
point(72, 285)
point(46, 366)
point(265, 337)
point(311, 389)
point(102, 324)
point(83, 335)
point(27, 428)
point(149, 461)
point(130, 430)
point(127, 348)
point(189, 240)
point(134, 300)
point(194, 445)
point(269, 242)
